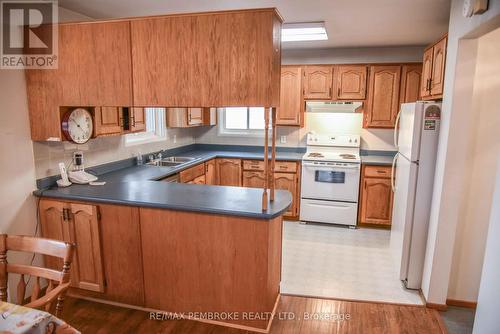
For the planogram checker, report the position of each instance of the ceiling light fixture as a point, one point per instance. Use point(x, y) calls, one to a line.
point(310, 31)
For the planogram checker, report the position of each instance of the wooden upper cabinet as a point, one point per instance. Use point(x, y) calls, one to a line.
point(383, 96)
point(438, 66)
point(228, 172)
point(433, 69)
point(291, 109)
point(108, 121)
point(318, 81)
point(230, 58)
point(411, 76)
point(137, 120)
point(94, 69)
point(425, 89)
point(350, 82)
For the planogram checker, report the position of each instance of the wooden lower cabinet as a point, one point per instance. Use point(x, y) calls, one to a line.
point(122, 254)
point(79, 224)
point(228, 172)
point(286, 177)
point(376, 196)
point(254, 179)
point(108, 258)
point(288, 181)
point(210, 175)
point(196, 262)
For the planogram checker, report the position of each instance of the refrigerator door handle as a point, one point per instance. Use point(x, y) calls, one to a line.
point(393, 169)
point(396, 126)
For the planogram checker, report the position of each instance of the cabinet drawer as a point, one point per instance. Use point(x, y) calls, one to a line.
point(377, 171)
point(280, 166)
point(192, 173)
point(253, 165)
point(285, 166)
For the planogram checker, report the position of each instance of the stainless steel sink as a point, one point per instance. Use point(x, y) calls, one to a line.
point(178, 159)
point(171, 161)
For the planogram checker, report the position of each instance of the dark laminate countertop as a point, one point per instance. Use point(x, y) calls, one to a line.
point(137, 186)
point(378, 158)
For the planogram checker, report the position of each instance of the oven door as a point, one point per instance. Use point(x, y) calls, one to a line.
point(330, 181)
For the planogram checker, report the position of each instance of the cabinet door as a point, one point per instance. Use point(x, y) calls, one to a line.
point(208, 59)
point(229, 172)
point(351, 82)
point(121, 247)
point(376, 202)
point(291, 107)
point(54, 226)
point(210, 177)
point(318, 82)
point(137, 120)
point(411, 76)
point(195, 116)
point(288, 181)
point(254, 179)
point(108, 121)
point(84, 233)
point(438, 65)
point(95, 64)
point(383, 100)
point(425, 88)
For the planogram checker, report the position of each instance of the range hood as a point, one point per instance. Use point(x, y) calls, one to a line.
point(333, 106)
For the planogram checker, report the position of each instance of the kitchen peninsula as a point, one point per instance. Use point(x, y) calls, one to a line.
point(171, 247)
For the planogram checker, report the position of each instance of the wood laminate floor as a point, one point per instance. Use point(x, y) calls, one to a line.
point(359, 317)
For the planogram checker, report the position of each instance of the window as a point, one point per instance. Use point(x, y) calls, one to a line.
point(243, 120)
point(156, 128)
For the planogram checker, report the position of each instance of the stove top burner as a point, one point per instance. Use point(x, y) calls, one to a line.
point(316, 155)
point(347, 156)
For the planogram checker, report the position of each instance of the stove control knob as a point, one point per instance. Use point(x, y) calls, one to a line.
point(350, 140)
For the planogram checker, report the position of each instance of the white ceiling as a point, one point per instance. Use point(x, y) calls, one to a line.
point(349, 23)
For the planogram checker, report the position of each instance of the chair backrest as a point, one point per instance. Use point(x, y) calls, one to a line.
point(58, 249)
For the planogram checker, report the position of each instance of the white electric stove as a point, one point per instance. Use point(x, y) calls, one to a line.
point(330, 179)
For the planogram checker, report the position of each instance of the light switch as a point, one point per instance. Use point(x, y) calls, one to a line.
point(283, 139)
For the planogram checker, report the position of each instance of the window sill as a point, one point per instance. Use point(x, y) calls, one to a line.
point(239, 133)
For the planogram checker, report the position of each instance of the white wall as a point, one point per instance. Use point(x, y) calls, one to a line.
point(353, 55)
point(475, 206)
point(454, 145)
point(18, 206)
point(486, 320)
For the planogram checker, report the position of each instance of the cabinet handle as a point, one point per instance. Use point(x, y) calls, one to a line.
point(338, 92)
point(330, 91)
point(430, 84)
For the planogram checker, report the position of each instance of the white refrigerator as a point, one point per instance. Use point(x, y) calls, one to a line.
point(412, 182)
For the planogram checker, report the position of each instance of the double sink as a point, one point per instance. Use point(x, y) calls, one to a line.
point(171, 161)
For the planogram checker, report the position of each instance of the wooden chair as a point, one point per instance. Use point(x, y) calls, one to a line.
point(58, 281)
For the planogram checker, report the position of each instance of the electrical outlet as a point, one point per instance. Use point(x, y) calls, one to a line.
point(175, 139)
point(283, 139)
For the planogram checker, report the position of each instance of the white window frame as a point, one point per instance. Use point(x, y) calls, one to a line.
point(222, 131)
point(158, 134)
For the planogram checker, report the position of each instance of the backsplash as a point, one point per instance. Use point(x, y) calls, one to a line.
point(101, 150)
point(108, 149)
point(371, 139)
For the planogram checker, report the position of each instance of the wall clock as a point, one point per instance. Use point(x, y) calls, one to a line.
point(77, 125)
